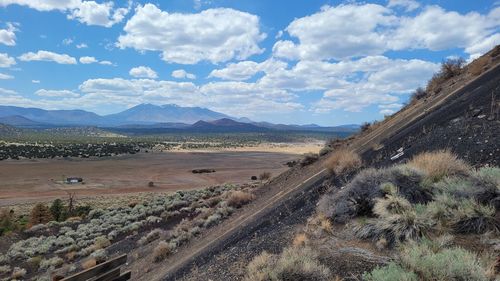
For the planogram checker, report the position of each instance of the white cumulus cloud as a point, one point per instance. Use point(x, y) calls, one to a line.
point(88, 12)
point(355, 30)
point(182, 74)
point(88, 60)
point(245, 70)
point(338, 32)
point(47, 56)
point(214, 35)
point(437, 29)
point(8, 35)
point(143, 72)
point(6, 60)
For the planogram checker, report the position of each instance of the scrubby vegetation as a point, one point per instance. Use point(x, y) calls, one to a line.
point(50, 243)
point(308, 159)
point(415, 210)
point(449, 69)
point(57, 142)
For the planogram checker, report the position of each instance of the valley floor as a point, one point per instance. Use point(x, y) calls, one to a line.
point(27, 181)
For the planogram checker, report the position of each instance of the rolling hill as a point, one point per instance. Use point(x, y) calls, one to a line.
point(55, 117)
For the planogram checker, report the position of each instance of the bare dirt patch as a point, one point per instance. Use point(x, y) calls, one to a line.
point(34, 180)
point(291, 148)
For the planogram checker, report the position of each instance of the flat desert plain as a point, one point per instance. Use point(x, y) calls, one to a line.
point(28, 181)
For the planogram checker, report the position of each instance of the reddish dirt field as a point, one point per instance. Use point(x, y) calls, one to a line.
point(25, 181)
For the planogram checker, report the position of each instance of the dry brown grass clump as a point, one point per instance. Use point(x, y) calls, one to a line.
point(239, 198)
point(89, 263)
point(439, 164)
point(40, 214)
point(18, 273)
point(324, 223)
point(161, 251)
point(478, 66)
point(343, 161)
point(70, 255)
point(293, 264)
point(300, 240)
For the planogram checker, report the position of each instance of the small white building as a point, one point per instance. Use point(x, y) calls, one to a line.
point(73, 180)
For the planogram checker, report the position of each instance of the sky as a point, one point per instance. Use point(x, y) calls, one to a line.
point(283, 61)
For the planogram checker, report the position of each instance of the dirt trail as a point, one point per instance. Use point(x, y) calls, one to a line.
point(285, 186)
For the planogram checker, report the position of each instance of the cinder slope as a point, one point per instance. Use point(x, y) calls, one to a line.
point(268, 223)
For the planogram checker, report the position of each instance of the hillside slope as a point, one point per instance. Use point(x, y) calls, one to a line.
point(269, 222)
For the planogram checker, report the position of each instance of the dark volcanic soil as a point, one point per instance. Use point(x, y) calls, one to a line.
point(466, 122)
point(469, 126)
point(272, 235)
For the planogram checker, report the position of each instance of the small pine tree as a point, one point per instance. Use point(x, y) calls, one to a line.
point(40, 214)
point(57, 210)
point(7, 222)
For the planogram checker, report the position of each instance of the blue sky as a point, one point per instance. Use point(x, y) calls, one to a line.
point(324, 62)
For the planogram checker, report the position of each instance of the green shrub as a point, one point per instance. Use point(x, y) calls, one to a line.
point(308, 159)
point(150, 237)
point(397, 220)
point(57, 210)
point(101, 242)
point(473, 217)
point(359, 196)
point(7, 222)
point(325, 150)
point(390, 272)
point(490, 174)
point(444, 264)
point(51, 263)
point(391, 205)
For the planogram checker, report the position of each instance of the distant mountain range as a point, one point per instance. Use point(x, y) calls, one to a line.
point(150, 117)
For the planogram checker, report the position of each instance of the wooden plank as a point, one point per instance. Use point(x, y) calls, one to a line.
point(108, 276)
point(98, 269)
point(124, 277)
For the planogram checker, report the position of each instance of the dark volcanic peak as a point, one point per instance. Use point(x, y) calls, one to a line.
point(226, 124)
